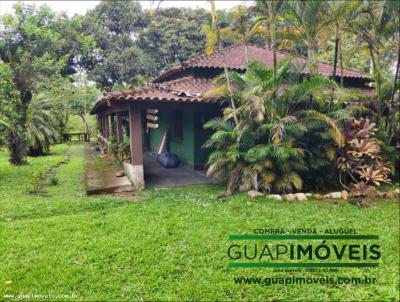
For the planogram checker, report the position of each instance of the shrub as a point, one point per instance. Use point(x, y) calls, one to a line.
point(360, 158)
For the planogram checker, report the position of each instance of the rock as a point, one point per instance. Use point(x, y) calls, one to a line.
point(290, 197)
point(327, 196)
point(253, 193)
point(243, 188)
point(300, 196)
point(397, 191)
point(308, 194)
point(390, 195)
point(318, 196)
point(345, 195)
point(360, 203)
point(381, 194)
point(275, 197)
point(371, 192)
point(335, 195)
point(119, 174)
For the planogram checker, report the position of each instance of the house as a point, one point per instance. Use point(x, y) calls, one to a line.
point(174, 103)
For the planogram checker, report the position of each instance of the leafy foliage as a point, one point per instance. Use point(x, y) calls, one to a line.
point(132, 44)
point(9, 97)
point(361, 157)
point(36, 44)
point(41, 125)
point(267, 148)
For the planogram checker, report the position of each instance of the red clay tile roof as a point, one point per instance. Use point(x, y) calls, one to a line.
point(186, 89)
point(189, 86)
point(190, 89)
point(236, 60)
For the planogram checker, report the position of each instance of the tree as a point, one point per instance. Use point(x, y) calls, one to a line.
point(35, 43)
point(173, 36)
point(270, 11)
point(267, 148)
point(307, 20)
point(239, 27)
point(216, 39)
point(115, 26)
point(9, 98)
point(374, 22)
point(82, 99)
point(42, 126)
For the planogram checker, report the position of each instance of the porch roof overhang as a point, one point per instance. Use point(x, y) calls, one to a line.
point(187, 90)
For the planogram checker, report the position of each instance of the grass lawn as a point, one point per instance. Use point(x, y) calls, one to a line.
point(172, 245)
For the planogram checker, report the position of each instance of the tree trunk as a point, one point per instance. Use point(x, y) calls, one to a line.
point(86, 130)
point(221, 50)
point(273, 10)
point(246, 50)
point(341, 63)
point(274, 60)
point(233, 181)
point(392, 111)
point(312, 65)
point(16, 136)
point(335, 59)
point(376, 71)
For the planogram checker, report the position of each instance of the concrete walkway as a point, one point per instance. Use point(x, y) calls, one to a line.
point(100, 174)
point(156, 176)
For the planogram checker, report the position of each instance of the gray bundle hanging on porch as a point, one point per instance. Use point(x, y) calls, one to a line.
point(168, 160)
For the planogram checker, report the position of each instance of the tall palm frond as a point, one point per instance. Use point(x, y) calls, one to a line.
point(42, 127)
point(336, 133)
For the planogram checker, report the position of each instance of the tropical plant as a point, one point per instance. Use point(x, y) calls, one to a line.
point(35, 43)
point(266, 148)
point(240, 20)
point(9, 99)
point(360, 157)
point(214, 38)
point(307, 21)
point(376, 23)
point(270, 11)
point(42, 127)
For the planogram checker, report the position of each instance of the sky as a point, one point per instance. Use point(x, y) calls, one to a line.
point(80, 7)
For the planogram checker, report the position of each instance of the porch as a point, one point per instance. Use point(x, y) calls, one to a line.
point(156, 176)
point(140, 128)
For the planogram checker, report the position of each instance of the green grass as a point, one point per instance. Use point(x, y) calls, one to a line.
point(172, 245)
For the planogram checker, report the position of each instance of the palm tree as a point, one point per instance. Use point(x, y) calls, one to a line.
point(307, 20)
point(215, 37)
point(338, 10)
point(271, 11)
point(42, 127)
point(267, 148)
point(239, 27)
point(374, 22)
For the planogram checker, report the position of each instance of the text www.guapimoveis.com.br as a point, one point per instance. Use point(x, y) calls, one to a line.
point(267, 281)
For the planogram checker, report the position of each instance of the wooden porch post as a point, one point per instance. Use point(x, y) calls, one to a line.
point(100, 120)
point(103, 125)
point(135, 171)
point(108, 130)
point(112, 124)
point(119, 128)
point(135, 125)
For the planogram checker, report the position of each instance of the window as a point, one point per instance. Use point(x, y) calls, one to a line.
point(178, 126)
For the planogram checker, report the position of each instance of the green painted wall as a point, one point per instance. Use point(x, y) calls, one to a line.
point(184, 149)
point(201, 135)
point(189, 150)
